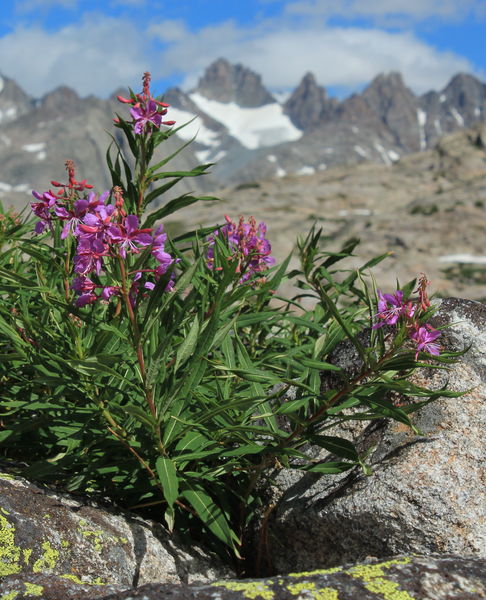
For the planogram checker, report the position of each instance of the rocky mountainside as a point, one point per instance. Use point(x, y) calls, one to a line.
point(428, 210)
point(240, 126)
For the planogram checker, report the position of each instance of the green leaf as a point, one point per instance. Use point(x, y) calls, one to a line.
point(167, 474)
point(188, 345)
point(139, 413)
point(318, 364)
point(210, 513)
point(291, 406)
point(329, 467)
point(336, 445)
point(173, 206)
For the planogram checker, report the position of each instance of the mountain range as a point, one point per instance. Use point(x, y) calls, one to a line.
point(248, 132)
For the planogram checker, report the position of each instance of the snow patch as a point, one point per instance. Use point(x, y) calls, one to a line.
point(221, 154)
point(457, 117)
point(477, 111)
point(361, 151)
point(6, 140)
point(272, 158)
point(463, 258)
point(383, 153)
point(196, 128)
point(322, 167)
point(393, 155)
point(253, 127)
point(34, 147)
point(41, 155)
point(202, 155)
point(421, 120)
point(21, 187)
point(442, 98)
point(5, 187)
point(355, 129)
point(281, 172)
point(306, 170)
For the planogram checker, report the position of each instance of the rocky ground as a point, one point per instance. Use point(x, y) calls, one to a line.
point(428, 210)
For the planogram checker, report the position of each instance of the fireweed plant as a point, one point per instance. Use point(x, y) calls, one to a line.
point(156, 371)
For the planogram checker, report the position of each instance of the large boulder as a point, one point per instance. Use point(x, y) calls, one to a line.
point(427, 493)
point(44, 532)
point(400, 578)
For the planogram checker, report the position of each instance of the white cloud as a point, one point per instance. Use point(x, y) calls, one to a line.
point(99, 53)
point(338, 56)
point(397, 11)
point(94, 56)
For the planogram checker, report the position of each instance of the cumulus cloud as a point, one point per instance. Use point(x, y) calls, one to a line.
point(345, 57)
point(98, 53)
point(94, 56)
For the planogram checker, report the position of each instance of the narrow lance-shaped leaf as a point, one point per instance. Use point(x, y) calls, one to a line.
point(167, 474)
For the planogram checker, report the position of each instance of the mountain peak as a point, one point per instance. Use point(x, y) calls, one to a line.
point(308, 105)
point(225, 82)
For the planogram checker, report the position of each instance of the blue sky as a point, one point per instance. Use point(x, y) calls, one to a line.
point(98, 46)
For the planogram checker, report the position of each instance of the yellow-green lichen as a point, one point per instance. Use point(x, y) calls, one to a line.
point(95, 535)
point(64, 544)
point(307, 586)
point(9, 552)
point(318, 572)
point(6, 476)
point(251, 590)
point(26, 554)
point(32, 589)
point(48, 560)
point(10, 596)
point(75, 579)
point(373, 578)
point(47, 516)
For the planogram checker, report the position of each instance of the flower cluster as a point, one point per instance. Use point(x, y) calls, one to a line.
point(248, 246)
point(102, 231)
point(393, 307)
point(146, 109)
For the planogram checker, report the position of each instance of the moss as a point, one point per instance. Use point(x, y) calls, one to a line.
point(9, 552)
point(373, 578)
point(251, 590)
point(48, 560)
point(32, 589)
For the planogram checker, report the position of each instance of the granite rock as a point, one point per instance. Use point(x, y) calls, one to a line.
point(51, 533)
point(427, 492)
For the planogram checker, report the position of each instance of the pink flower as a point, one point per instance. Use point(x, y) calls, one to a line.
point(425, 336)
point(144, 113)
point(391, 307)
point(127, 235)
point(145, 109)
point(247, 242)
